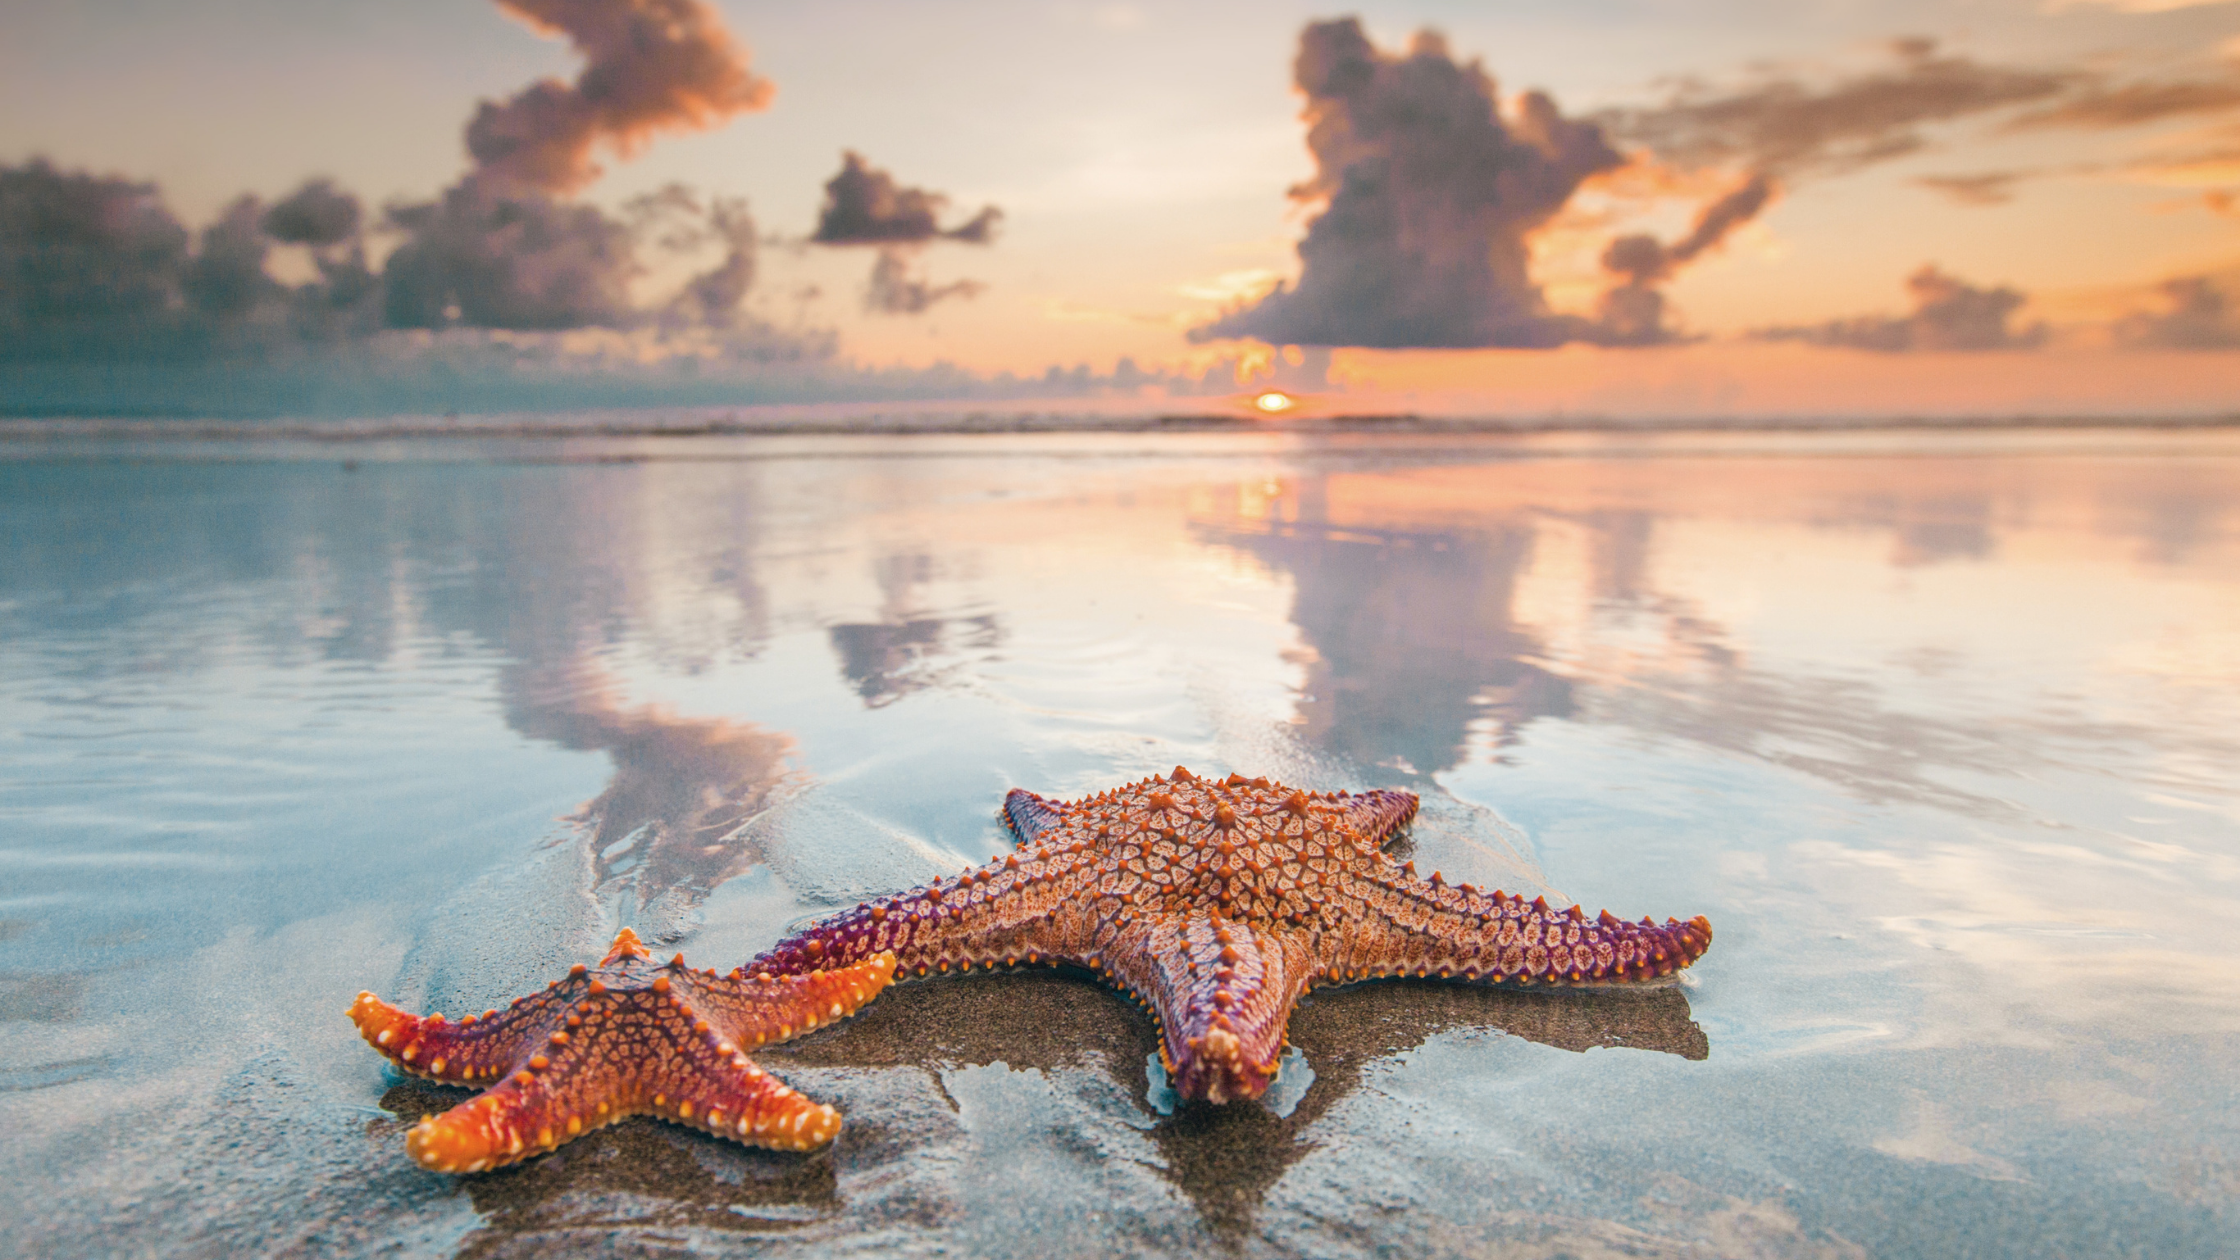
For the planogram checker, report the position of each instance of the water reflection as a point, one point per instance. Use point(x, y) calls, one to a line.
point(909, 648)
point(1449, 607)
point(1413, 634)
point(887, 660)
point(672, 822)
point(1946, 741)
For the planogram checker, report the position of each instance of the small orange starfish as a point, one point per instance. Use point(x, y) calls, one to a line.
point(632, 1037)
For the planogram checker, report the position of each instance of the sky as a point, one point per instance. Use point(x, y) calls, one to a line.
point(1982, 208)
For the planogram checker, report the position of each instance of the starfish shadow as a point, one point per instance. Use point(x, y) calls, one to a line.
point(1225, 1159)
point(635, 1177)
point(642, 1175)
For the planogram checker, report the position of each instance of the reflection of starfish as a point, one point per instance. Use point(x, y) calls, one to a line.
point(631, 1037)
point(1221, 902)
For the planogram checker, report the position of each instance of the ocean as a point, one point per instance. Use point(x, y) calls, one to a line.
point(1936, 725)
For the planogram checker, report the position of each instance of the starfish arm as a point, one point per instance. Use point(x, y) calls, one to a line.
point(1034, 905)
point(1030, 817)
point(1406, 926)
point(527, 1114)
point(1377, 814)
point(472, 1051)
point(477, 1050)
point(742, 1011)
point(1222, 993)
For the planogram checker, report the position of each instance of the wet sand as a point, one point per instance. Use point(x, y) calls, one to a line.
point(1940, 741)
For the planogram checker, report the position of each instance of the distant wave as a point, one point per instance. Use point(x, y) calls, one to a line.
point(1071, 416)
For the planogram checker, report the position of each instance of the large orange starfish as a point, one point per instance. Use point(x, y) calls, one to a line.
point(1220, 902)
point(630, 1037)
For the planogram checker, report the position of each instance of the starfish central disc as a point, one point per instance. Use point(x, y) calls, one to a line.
point(1219, 902)
point(628, 1037)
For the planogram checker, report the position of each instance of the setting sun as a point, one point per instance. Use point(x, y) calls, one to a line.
point(1275, 401)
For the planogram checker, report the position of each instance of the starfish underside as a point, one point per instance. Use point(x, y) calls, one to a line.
point(1219, 903)
point(629, 1037)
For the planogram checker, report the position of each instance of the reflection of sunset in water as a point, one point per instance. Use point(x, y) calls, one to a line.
point(1937, 731)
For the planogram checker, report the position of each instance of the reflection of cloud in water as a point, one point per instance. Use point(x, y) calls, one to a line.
point(885, 661)
point(1811, 617)
point(2047, 709)
point(672, 822)
point(902, 651)
point(1411, 629)
point(1412, 591)
point(1943, 530)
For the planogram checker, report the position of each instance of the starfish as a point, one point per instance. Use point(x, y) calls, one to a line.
point(630, 1037)
point(1218, 903)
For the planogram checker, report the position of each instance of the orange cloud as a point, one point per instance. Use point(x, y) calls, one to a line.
point(650, 66)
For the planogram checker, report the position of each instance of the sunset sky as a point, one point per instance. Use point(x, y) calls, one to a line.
point(1890, 168)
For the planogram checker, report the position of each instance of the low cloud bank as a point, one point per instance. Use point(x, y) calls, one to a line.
point(1948, 314)
point(97, 268)
point(501, 291)
point(2197, 316)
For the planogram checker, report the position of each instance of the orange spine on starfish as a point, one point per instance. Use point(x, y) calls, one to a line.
point(630, 1037)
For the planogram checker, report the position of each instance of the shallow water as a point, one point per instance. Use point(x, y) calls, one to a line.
point(1939, 732)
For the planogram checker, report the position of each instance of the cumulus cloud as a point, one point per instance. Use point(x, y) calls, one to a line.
point(2199, 316)
point(1789, 126)
point(317, 214)
point(1633, 309)
point(502, 249)
point(713, 296)
point(863, 205)
point(650, 66)
point(1948, 314)
point(1430, 193)
point(97, 267)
